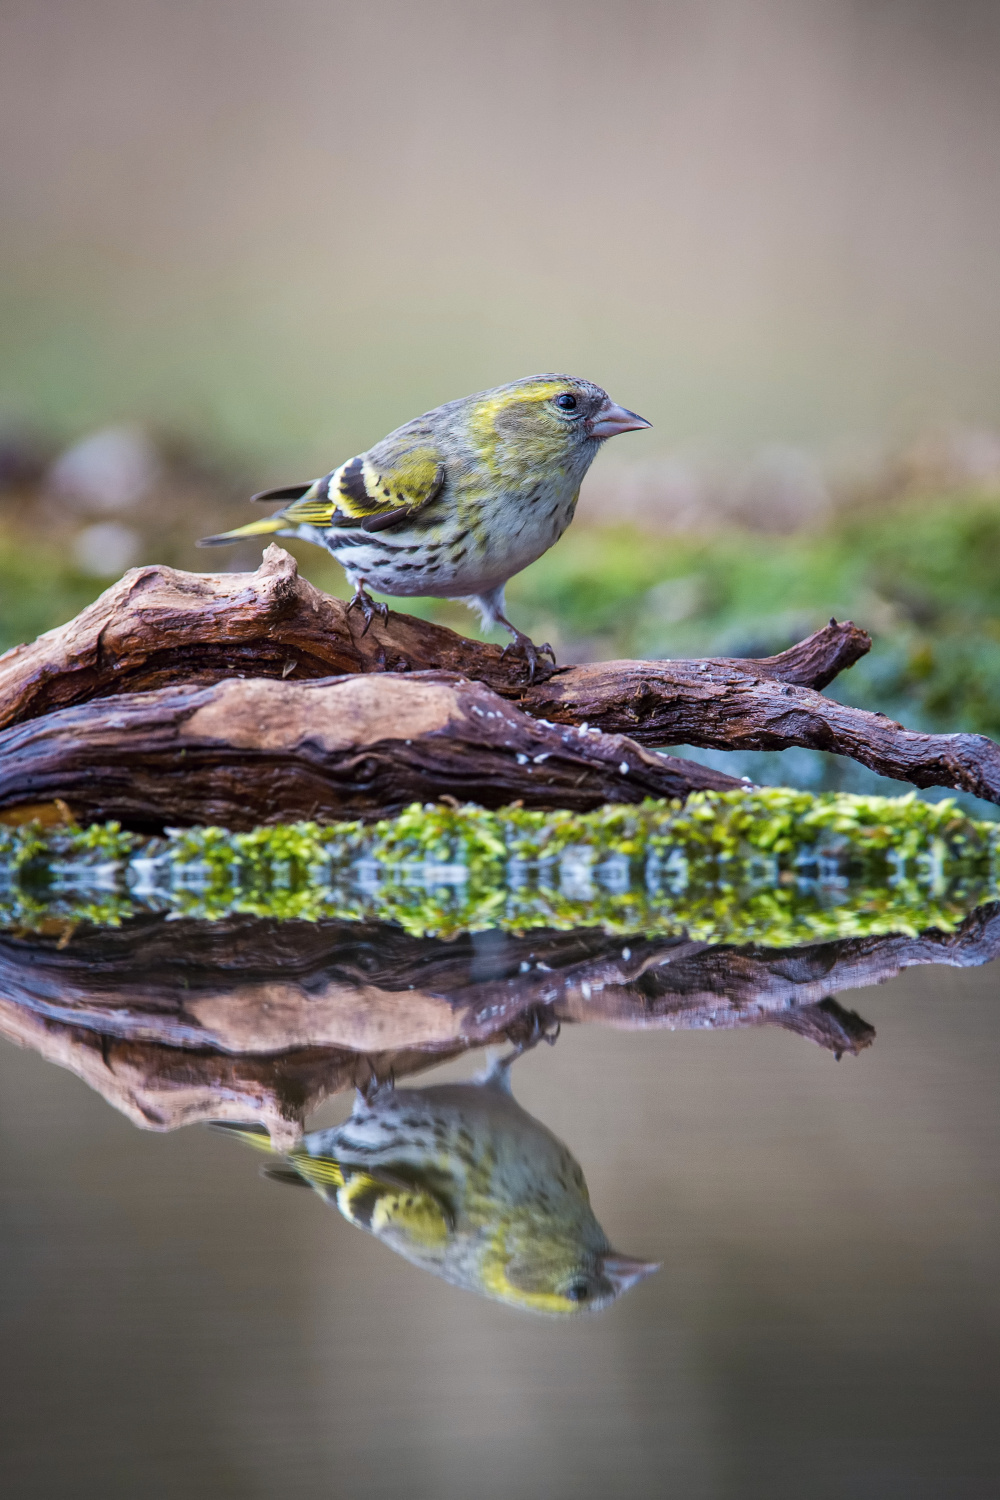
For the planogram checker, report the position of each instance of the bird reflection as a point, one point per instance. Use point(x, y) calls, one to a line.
point(462, 1181)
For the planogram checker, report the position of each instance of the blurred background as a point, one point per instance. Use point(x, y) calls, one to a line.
point(244, 240)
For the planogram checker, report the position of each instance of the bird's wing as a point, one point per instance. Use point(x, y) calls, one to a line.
point(410, 1217)
point(380, 488)
point(390, 1207)
point(321, 1171)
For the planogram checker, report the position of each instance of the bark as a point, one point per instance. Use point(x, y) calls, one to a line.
point(164, 1087)
point(250, 751)
point(159, 627)
point(250, 987)
point(721, 705)
point(177, 1021)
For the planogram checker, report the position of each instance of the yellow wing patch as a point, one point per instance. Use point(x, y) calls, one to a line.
point(309, 512)
point(395, 1211)
point(376, 490)
point(414, 1216)
point(385, 1206)
point(411, 479)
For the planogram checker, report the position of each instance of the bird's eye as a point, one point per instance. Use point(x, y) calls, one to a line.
point(578, 1291)
point(566, 402)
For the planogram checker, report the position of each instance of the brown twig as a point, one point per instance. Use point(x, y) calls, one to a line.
point(250, 751)
point(183, 1020)
point(724, 706)
point(158, 628)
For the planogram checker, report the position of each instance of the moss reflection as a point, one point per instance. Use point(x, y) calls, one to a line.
point(768, 866)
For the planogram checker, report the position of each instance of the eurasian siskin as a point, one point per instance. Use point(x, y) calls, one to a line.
point(463, 1182)
point(457, 501)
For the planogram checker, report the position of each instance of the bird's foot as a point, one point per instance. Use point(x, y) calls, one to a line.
point(369, 608)
point(374, 1085)
point(524, 646)
point(536, 1026)
point(543, 1029)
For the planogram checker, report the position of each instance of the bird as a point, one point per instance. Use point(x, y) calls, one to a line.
point(464, 1183)
point(455, 502)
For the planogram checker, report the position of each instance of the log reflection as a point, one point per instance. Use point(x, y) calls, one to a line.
point(179, 1021)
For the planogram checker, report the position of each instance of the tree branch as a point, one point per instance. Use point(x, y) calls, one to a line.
point(251, 751)
point(184, 1020)
point(158, 628)
point(724, 706)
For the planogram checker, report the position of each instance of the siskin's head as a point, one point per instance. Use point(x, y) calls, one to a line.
point(544, 420)
point(554, 1277)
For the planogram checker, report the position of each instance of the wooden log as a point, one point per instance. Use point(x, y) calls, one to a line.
point(249, 987)
point(253, 750)
point(178, 1021)
point(721, 705)
point(164, 1087)
point(159, 626)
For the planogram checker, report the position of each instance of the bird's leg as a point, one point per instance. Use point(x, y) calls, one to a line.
point(369, 608)
point(490, 604)
point(526, 647)
point(542, 1029)
point(374, 1085)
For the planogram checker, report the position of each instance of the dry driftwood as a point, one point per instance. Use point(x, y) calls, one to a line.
point(721, 705)
point(251, 751)
point(162, 1087)
point(159, 626)
point(174, 1022)
point(182, 1020)
point(248, 986)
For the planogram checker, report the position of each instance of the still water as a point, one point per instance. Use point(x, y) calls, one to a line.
point(825, 1319)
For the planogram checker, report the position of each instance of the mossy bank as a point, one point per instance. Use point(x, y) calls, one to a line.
point(771, 866)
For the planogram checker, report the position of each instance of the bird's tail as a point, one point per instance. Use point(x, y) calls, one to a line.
point(297, 1167)
point(267, 527)
point(255, 1135)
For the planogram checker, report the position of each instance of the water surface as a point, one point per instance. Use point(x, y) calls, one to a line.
point(825, 1321)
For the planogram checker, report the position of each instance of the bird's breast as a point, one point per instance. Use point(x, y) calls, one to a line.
point(469, 541)
point(514, 528)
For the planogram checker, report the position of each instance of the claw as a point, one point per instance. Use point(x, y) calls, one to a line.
point(543, 1029)
point(368, 607)
point(374, 1085)
point(527, 648)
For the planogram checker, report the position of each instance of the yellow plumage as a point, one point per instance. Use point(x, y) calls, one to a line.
point(456, 502)
point(461, 1181)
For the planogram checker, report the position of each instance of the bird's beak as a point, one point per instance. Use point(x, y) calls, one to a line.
point(612, 419)
point(623, 1271)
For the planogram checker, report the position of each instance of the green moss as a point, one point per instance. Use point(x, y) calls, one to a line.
point(772, 866)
